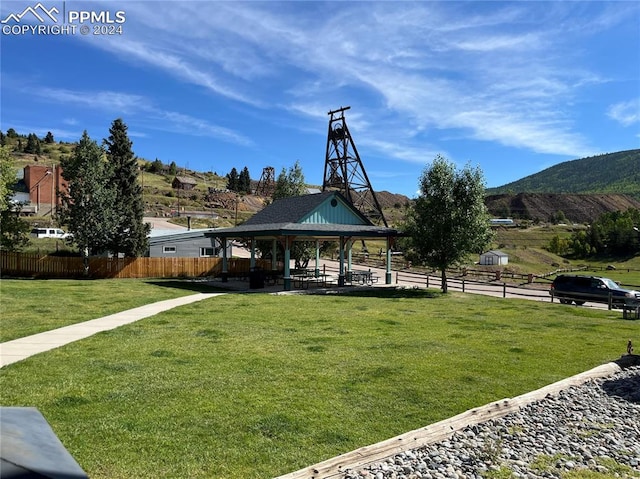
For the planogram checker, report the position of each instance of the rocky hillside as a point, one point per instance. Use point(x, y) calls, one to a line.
point(581, 208)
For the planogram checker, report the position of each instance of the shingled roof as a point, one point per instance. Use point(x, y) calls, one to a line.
point(296, 208)
point(320, 215)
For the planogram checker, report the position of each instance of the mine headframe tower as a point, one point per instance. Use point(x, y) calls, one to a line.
point(343, 169)
point(267, 182)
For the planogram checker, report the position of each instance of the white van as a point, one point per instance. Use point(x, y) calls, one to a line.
point(49, 233)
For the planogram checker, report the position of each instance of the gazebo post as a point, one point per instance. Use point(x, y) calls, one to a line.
point(225, 265)
point(387, 279)
point(341, 254)
point(317, 258)
point(349, 259)
point(274, 255)
point(287, 261)
point(252, 263)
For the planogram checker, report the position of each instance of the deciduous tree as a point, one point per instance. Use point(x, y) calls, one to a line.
point(449, 219)
point(290, 183)
point(87, 207)
point(13, 229)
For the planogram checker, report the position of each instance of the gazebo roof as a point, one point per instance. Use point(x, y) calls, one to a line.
point(321, 215)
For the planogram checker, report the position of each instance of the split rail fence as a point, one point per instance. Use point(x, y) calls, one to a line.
point(33, 265)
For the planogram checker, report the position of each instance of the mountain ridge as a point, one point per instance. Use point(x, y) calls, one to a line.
point(617, 173)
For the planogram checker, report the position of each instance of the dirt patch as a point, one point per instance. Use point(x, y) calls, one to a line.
point(545, 207)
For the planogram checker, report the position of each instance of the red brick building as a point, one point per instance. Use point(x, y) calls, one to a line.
point(42, 184)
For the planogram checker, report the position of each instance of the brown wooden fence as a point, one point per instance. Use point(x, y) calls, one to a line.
point(34, 265)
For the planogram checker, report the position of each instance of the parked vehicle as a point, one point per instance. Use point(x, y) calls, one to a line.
point(49, 233)
point(580, 289)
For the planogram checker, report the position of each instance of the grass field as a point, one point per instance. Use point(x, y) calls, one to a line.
point(255, 385)
point(33, 306)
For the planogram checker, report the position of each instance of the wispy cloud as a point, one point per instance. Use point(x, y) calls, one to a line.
point(141, 107)
point(626, 113)
point(506, 73)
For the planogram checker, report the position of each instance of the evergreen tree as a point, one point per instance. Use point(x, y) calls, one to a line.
point(49, 138)
point(130, 232)
point(88, 207)
point(173, 168)
point(244, 181)
point(11, 133)
point(232, 180)
point(33, 144)
point(449, 219)
point(155, 166)
point(13, 229)
point(3, 139)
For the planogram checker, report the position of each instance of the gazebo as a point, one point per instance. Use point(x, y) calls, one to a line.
point(317, 217)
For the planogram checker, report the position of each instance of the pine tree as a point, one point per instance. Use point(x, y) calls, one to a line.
point(33, 144)
point(88, 206)
point(232, 180)
point(244, 181)
point(131, 232)
point(49, 138)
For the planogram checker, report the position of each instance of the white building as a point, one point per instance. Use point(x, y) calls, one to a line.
point(494, 258)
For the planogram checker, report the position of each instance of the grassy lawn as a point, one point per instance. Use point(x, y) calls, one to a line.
point(254, 385)
point(33, 306)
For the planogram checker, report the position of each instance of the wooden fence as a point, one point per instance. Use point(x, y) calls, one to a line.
point(34, 265)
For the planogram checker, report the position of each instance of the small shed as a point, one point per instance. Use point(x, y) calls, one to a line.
point(185, 244)
point(183, 183)
point(494, 258)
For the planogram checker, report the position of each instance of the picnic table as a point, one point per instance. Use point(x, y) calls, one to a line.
point(361, 277)
point(302, 278)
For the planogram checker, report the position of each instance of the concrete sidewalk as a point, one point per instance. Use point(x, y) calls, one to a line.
point(22, 348)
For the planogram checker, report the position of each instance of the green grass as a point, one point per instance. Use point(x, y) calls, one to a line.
point(255, 385)
point(33, 306)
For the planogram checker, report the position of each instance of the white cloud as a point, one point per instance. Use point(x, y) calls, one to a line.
point(497, 72)
point(626, 113)
point(142, 108)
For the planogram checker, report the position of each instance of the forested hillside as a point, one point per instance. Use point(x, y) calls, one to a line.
point(609, 173)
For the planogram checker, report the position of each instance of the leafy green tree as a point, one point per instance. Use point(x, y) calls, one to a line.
point(11, 133)
point(173, 168)
point(559, 246)
point(449, 219)
point(130, 231)
point(290, 183)
point(87, 207)
point(232, 180)
point(13, 229)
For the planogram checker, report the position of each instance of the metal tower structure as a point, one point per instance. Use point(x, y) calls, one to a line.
point(343, 169)
point(267, 182)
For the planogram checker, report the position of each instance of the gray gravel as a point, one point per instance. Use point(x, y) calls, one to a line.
point(595, 426)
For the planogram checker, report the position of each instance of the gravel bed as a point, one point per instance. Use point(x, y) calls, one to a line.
point(593, 427)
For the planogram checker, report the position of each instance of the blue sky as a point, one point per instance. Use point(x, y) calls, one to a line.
point(511, 87)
